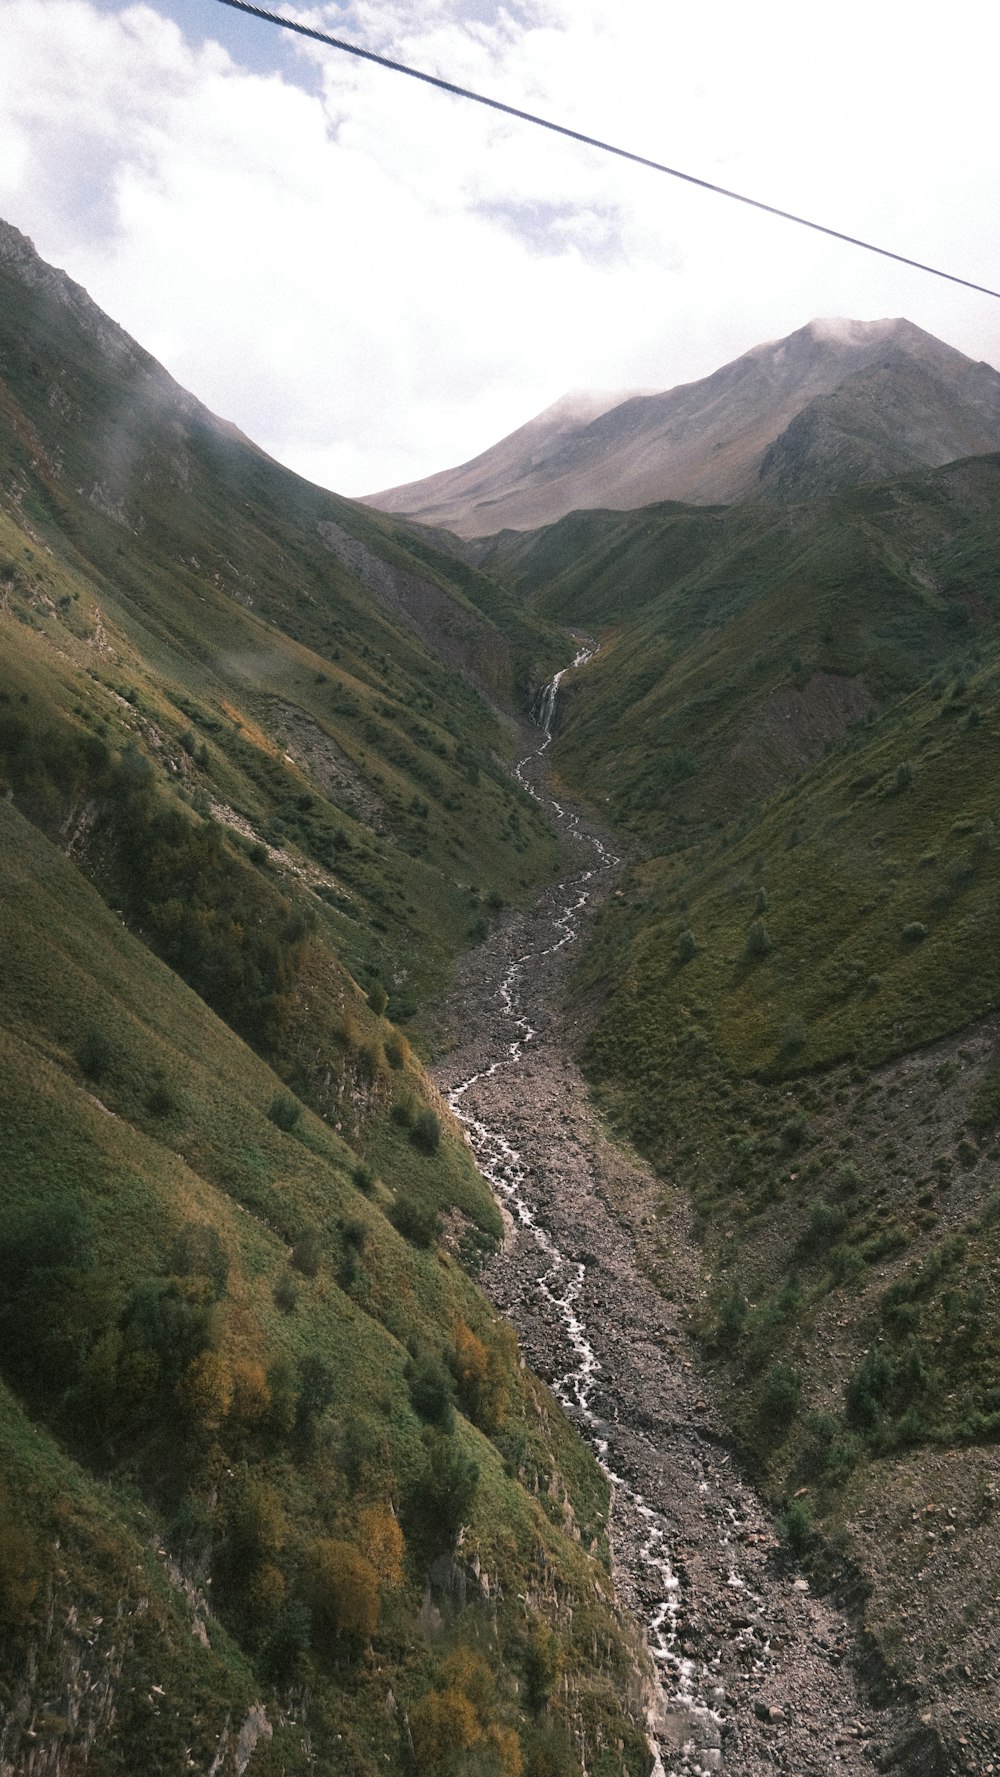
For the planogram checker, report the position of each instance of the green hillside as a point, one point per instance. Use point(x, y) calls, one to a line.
point(795, 718)
point(272, 1477)
point(239, 1400)
point(739, 644)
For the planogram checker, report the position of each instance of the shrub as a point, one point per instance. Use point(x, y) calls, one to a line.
point(404, 1110)
point(316, 1390)
point(826, 1222)
point(686, 947)
point(792, 1036)
point(443, 1725)
point(426, 1132)
point(251, 1401)
point(307, 1252)
point(160, 1100)
point(915, 932)
point(344, 1588)
point(758, 941)
point(284, 1111)
point(542, 1666)
point(378, 999)
point(847, 1180)
point(95, 1054)
point(418, 1222)
point(286, 1293)
point(364, 1178)
point(868, 1390)
point(732, 1320)
point(382, 1544)
point(395, 1050)
point(255, 1525)
point(781, 1394)
point(904, 774)
point(205, 1391)
point(442, 1497)
point(794, 1130)
point(479, 1375)
point(796, 1527)
point(431, 1390)
point(198, 1251)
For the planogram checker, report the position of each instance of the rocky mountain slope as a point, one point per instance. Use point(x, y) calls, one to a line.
point(836, 403)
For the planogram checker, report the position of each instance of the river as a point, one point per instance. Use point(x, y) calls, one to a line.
point(753, 1672)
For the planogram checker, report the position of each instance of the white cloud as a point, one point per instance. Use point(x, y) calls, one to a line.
point(375, 280)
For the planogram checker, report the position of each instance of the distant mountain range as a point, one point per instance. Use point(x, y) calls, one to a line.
point(836, 403)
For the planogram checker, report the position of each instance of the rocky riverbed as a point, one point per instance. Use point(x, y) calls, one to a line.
point(756, 1673)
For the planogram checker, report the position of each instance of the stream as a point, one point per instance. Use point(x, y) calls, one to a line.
point(753, 1672)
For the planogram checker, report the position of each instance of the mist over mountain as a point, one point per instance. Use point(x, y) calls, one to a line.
point(836, 403)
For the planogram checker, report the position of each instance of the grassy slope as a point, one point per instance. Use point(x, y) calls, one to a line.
point(232, 743)
point(797, 993)
point(174, 564)
point(717, 624)
point(173, 1131)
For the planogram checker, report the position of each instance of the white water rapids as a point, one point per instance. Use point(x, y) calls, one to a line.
point(690, 1691)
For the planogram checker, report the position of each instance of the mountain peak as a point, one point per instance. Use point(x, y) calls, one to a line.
point(881, 397)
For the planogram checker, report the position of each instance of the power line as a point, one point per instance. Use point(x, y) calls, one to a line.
point(561, 129)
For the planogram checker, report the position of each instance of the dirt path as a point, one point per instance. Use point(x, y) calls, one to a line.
point(756, 1673)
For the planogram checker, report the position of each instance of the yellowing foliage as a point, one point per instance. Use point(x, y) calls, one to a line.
point(480, 1372)
point(205, 1391)
point(442, 1723)
point(344, 1588)
point(251, 1392)
point(382, 1543)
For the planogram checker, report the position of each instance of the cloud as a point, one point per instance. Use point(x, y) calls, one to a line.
point(375, 280)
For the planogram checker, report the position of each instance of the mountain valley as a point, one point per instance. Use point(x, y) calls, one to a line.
point(500, 1226)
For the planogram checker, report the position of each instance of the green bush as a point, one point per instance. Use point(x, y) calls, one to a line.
point(442, 1496)
point(796, 1528)
point(686, 947)
point(868, 1390)
point(426, 1132)
point(307, 1251)
point(432, 1390)
point(781, 1394)
point(732, 1320)
point(284, 1111)
point(915, 932)
point(378, 999)
point(759, 941)
point(825, 1224)
point(95, 1054)
point(417, 1222)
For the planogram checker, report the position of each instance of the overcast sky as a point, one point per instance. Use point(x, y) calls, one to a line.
point(376, 281)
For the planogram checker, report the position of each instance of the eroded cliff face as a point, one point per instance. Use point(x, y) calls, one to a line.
point(455, 632)
point(99, 1680)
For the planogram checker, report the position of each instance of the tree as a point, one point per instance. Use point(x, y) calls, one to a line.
point(758, 940)
point(344, 1589)
point(205, 1391)
point(442, 1724)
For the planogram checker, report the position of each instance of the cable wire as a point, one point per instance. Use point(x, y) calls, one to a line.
point(561, 129)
